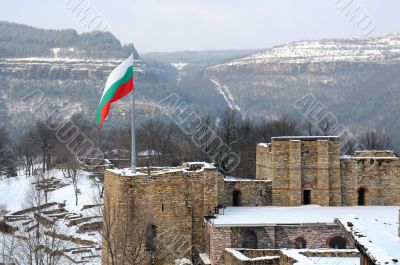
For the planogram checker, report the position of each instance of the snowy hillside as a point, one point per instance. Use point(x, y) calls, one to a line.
point(385, 49)
point(69, 228)
point(355, 79)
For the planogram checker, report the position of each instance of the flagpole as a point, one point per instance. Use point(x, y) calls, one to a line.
point(133, 134)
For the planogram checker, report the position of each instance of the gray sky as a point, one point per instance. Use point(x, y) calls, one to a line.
point(174, 25)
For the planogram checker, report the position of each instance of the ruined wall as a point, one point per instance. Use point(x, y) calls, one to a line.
point(175, 202)
point(316, 236)
point(264, 169)
point(273, 237)
point(376, 172)
point(284, 236)
point(272, 164)
point(280, 257)
point(243, 257)
point(252, 192)
point(295, 164)
point(218, 240)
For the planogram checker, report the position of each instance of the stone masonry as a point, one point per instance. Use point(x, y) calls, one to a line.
point(273, 237)
point(238, 256)
point(178, 204)
point(296, 164)
point(175, 201)
point(313, 165)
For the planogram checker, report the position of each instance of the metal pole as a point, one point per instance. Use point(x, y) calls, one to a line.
point(133, 134)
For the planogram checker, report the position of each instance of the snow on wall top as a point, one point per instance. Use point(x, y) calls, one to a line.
point(240, 256)
point(186, 167)
point(376, 235)
point(271, 215)
point(301, 259)
point(234, 179)
point(264, 144)
point(305, 138)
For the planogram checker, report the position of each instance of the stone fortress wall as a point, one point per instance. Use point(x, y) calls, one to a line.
point(175, 201)
point(290, 171)
point(304, 170)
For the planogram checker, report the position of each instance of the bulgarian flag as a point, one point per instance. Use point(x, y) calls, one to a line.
point(119, 84)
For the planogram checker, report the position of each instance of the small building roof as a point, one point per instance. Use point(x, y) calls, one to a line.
point(375, 236)
point(271, 215)
point(305, 138)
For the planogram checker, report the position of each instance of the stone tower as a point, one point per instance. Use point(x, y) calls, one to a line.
point(171, 203)
point(303, 170)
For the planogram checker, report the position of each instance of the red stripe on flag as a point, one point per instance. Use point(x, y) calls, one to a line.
point(122, 91)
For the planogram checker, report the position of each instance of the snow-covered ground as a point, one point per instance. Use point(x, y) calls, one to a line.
point(77, 226)
point(377, 235)
point(260, 216)
point(336, 260)
point(13, 191)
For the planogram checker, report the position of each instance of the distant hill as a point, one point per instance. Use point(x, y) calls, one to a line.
point(71, 70)
point(18, 40)
point(356, 79)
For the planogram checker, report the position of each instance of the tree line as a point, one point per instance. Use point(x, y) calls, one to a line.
point(160, 142)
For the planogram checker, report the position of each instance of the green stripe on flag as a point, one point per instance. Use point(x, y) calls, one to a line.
point(113, 89)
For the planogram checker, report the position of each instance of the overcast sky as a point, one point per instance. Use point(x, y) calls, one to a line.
point(175, 25)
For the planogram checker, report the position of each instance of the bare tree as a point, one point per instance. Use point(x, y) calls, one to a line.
point(372, 140)
point(325, 126)
point(284, 126)
point(72, 171)
point(42, 135)
point(7, 158)
point(34, 242)
point(246, 149)
point(9, 250)
point(28, 151)
point(229, 125)
point(309, 128)
point(160, 141)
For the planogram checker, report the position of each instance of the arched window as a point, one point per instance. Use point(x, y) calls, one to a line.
point(361, 196)
point(249, 239)
point(300, 242)
point(151, 235)
point(337, 242)
point(236, 197)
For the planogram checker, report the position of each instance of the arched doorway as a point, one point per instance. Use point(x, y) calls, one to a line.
point(337, 242)
point(300, 243)
point(249, 239)
point(150, 237)
point(361, 196)
point(236, 197)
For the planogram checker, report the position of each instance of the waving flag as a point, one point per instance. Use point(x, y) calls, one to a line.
point(119, 84)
